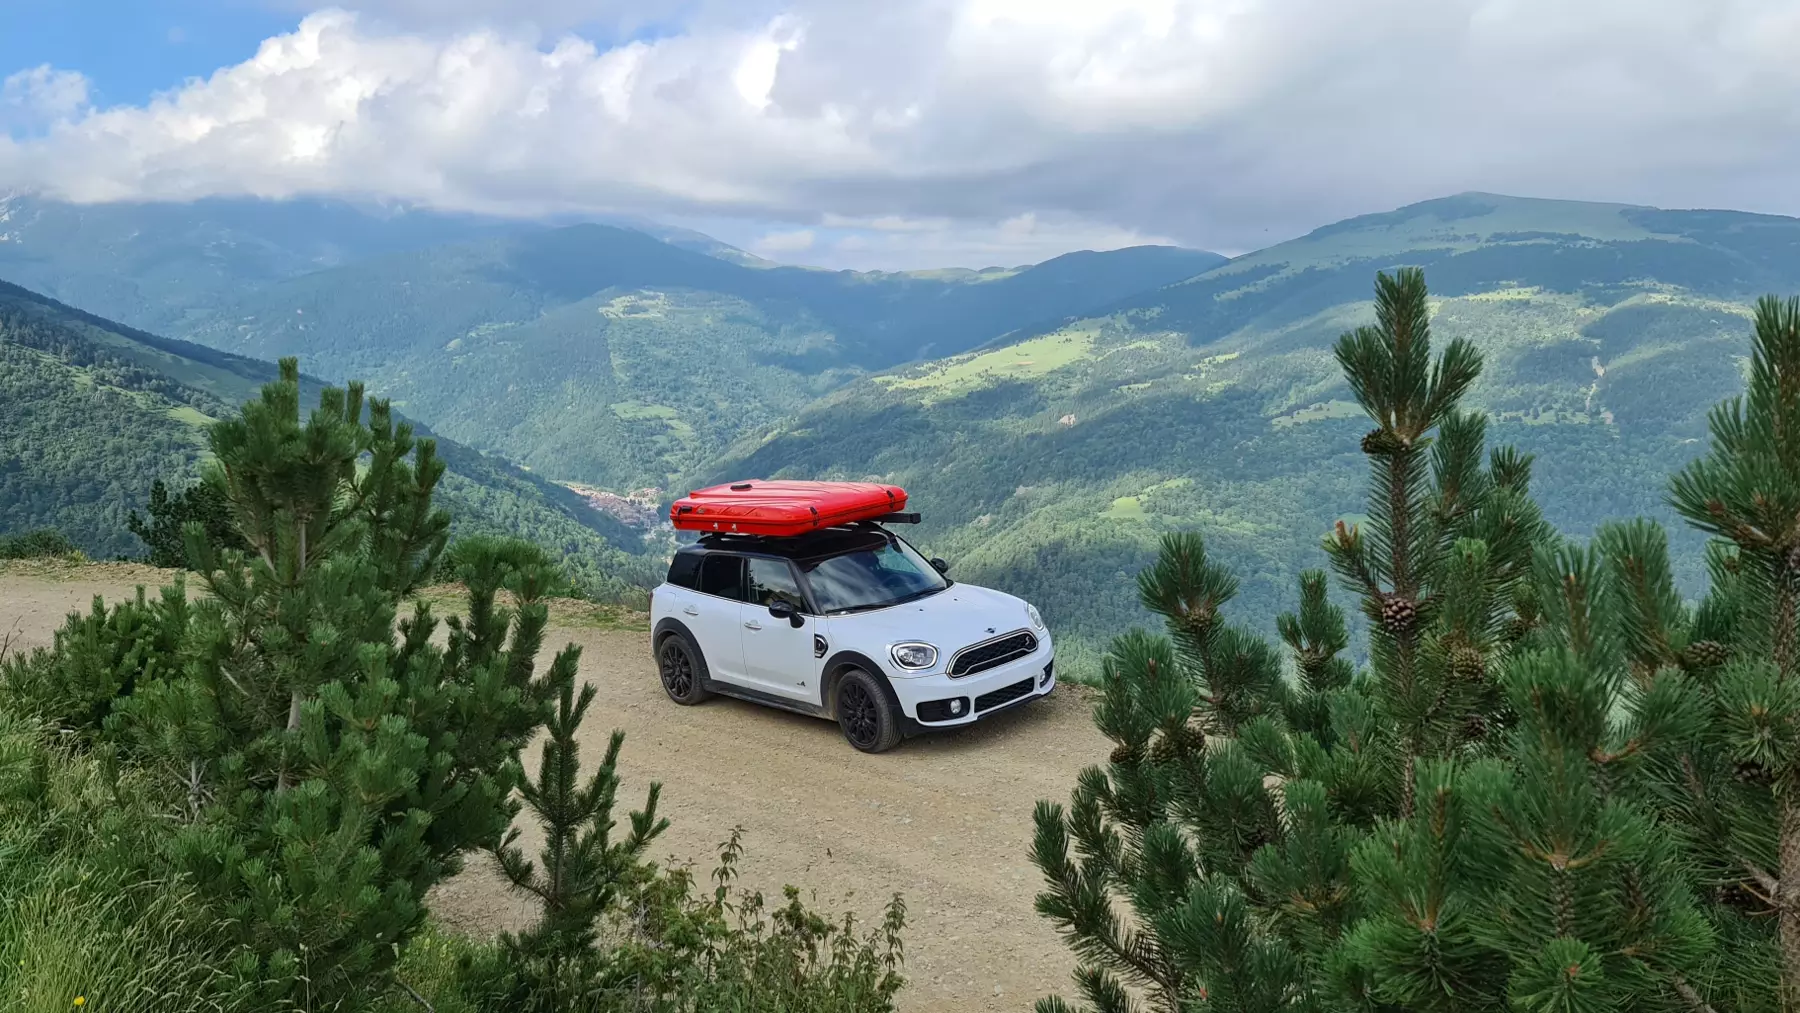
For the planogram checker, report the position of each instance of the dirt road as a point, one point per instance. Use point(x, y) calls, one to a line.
point(943, 820)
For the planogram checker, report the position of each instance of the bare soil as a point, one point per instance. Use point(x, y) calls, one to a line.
point(944, 820)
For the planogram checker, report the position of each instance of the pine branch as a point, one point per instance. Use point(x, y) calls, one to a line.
point(1690, 996)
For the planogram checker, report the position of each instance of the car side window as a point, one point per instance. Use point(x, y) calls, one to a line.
point(722, 575)
point(684, 570)
point(773, 580)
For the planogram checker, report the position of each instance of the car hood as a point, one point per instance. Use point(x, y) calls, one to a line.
point(952, 619)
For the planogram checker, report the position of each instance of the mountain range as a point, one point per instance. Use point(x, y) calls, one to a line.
point(1050, 419)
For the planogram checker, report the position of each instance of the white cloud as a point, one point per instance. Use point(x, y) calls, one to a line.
point(42, 94)
point(1024, 239)
point(953, 127)
point(778, 243)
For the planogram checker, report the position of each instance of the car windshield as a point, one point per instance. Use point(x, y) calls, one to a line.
point(887, 574)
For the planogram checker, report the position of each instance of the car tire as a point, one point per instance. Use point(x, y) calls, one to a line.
point(682, 670)
point(864, 715)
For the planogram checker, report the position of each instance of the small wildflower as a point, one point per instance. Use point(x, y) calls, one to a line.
point(81, 1000)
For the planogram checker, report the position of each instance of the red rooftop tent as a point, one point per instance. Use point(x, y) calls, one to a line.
point(783, 509)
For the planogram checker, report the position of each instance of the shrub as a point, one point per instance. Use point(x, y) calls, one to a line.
point(96, 658)
point(43, 543)
point(666, 949)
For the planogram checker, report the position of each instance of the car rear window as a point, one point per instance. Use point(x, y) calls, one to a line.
point(722, 575)
point(684, 570)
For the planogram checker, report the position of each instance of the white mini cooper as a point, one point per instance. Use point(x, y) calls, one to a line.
point(850, 624)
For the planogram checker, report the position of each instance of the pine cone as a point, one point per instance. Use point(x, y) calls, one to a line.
point(1516, 629)
point(1165, 751)
point(1706, 654)
point(1125, 755)
point(1178, 744)
point(1468, 664)
point(1381, 442)
point(1752, 773)
point(1397, 614)
point(1475, 727)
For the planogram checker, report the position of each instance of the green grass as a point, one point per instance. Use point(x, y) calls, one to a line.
point(635, 411)
point(1334, 409)
point(80, 925)
point(1029, 359)
point(643, 305)
point(1125, 508)
point(190, 416)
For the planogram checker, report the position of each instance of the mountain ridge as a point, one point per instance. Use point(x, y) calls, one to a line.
point(600, 355)
point(1050, 460)
point(95, 412)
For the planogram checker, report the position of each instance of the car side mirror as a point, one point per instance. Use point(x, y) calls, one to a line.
point(939, 565)
point(781, 608)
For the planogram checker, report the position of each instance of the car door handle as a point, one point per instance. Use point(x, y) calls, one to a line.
point(753, 625)
point(691, 610)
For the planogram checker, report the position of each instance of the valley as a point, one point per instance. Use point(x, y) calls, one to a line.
point(1051, 420)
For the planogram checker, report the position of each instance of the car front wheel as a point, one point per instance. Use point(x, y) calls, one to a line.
point(682, 669)
point(863, 713)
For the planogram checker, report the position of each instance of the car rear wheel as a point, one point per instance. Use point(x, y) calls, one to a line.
point(863, 712)
point(682, 669)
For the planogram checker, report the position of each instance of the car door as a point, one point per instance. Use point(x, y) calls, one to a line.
point(713, 616)
point(778, 656)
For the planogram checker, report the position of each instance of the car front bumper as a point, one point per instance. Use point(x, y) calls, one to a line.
point(928, 701)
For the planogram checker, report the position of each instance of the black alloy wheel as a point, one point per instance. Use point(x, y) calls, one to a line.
point(682, 672)
point(868, 722)
point(856, 712)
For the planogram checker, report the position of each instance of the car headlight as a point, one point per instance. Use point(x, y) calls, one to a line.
point(1037, 618)
point(914, 657)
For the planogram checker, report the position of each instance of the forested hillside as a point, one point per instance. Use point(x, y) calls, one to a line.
point(602, 355)
point(92, 413)
point(1050, 420)
point(1050, 464)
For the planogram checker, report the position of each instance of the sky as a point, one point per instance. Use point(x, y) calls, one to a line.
point(909, 133)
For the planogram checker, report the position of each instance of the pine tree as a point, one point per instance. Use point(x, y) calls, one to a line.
point(1446, 540)
point(164, 534)
point(1741, 773)
point(331, 773)
point(583, 875)
point(1351, 840)
point(1164, 831)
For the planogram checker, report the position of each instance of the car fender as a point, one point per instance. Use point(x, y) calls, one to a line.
point(666, 626)
point(833, 670)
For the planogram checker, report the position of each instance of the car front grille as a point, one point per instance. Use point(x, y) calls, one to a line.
point(992, 653)
point(1002, 696)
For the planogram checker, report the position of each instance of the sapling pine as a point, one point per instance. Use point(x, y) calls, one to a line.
point(583, 874)
point(330, 772)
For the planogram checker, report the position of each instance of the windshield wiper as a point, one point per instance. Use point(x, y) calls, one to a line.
point(846, 610)
point(916, 595)
point(891, 602)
